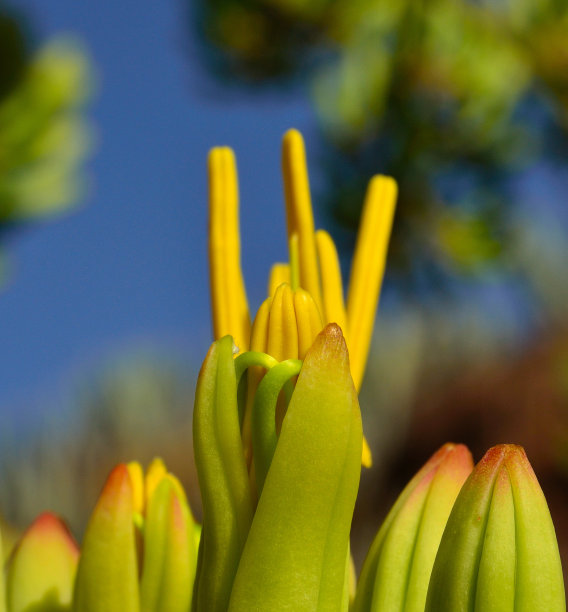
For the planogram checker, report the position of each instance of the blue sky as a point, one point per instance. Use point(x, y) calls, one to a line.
point(128, 267)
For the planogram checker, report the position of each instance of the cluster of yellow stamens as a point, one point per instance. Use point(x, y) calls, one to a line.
point(306, 293)
point(144, 484)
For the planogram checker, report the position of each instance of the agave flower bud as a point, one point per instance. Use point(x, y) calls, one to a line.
point(297, 547)
point(107, 577)
point(313, 272)
point(170, 551)
point(397, 569)
point(41, 572)
point(499, 549)
point(145, 519)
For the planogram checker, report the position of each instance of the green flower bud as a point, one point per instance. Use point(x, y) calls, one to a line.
point(41, 572)
point(297, 548)
point(107, 577)
point(499, 549)
point(397, 569)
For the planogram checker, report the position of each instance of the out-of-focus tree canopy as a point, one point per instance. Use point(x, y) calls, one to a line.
point(43, 130)
point(452, 97)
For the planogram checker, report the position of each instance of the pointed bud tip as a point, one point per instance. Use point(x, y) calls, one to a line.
point(49, 525)
point(118, 489)
point(46, 521)
point(458, 454)
point(330, 345)
point(503, 453)
point(119, 477)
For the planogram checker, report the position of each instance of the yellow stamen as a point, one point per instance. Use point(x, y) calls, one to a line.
point(310, 285)
point(308, 321)
point(279, 273)
point(258, 342)
point(137, 479)
point(228, 297)
point(299, 211)
point(155, 473)
point(366, 455)
point(285, 327)
point(294, 250)
point(259, 333)
point(332, 285)
point(368, 269)
point(282, 341)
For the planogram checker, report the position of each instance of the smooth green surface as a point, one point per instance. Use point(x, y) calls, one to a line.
point(495, 588)
point(264, 437)
point(499, 551)
point(539, 584)
point(170, 553)
point(294, 558)
point(397, 569)
point(223, 479)
point(454, 576)
point(107, 577)
point(42, 570)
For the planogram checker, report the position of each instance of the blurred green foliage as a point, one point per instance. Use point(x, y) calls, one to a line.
point(44, 135)
point(452, 97)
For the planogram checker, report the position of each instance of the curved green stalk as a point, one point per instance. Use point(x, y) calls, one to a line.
point(264, 415)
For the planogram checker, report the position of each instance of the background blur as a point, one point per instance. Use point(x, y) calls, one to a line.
point(106, 117)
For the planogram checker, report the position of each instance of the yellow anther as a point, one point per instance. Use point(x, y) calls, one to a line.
point(299, 211)
point(228, 297)
point(368, 269)
point(366, 455)
point(143, 487)
point(137, 478)
point(332, 285)
point(155, 473)
point(282, 341)
point(308, 321)
point(259, 333)
point(279, 273)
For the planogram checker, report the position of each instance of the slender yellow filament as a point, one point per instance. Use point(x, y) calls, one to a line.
point(307, 292)
point(259, 333)
point(368, 269)
point(308, 321)
point(294, 250)
point(299, 211)
point(228, 297)
point(279, 273)
point(332, 285)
